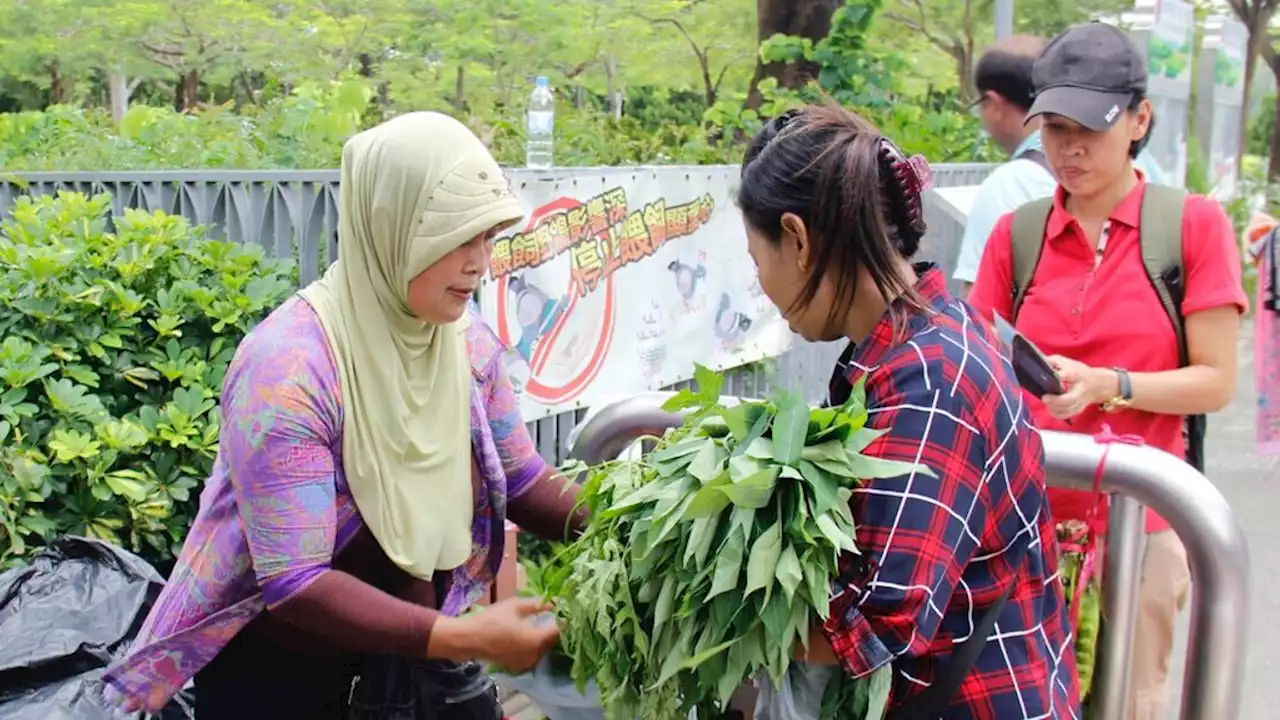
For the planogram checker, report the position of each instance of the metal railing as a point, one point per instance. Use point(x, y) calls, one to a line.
point(1135, 477)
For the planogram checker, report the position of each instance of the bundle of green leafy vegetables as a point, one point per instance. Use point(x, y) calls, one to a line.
point(711, 557)
point(1072, 559)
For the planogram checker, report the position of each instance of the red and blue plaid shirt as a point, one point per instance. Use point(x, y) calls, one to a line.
point(938, 552)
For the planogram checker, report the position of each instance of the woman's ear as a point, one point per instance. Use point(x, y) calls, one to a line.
point(1141, 121)
point(795, 239)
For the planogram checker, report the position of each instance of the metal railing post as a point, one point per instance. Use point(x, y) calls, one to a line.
point(1137, 477)
point(1216, 553)
point(1122, 576)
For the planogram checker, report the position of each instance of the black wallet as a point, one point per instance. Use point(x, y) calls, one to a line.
point(1030, 366)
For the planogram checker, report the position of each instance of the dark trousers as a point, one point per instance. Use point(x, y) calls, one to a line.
point(262, 676)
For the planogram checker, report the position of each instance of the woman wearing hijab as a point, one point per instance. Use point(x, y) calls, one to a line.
point(370, 445)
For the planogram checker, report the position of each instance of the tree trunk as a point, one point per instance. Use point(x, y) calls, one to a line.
point(1251, 54)
point(57, 87)
point(187, 91)
point(612, 94)
point(460, 90)
point(119, 91)
point(964, 66)
point(800, 18)
point(1273, 165)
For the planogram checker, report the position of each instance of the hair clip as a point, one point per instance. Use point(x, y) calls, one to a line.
point(782, 120)
point(912, 176)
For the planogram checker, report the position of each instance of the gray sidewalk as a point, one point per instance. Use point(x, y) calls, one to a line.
point(1251, 483)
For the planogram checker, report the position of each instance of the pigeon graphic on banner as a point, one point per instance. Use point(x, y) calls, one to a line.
point(535, 313)
point(730, 323)
point(687, 277)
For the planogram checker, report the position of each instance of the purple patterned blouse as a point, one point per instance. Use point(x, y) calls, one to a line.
point(277, 508)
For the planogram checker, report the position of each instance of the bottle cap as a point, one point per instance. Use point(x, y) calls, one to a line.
point(541, 81)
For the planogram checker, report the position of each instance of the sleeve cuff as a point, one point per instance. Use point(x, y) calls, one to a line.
point(519, 482)
point(1216, 300)
point(278, 589)
point(858, 649)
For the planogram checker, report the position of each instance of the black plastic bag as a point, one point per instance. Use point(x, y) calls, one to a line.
point(63, 620)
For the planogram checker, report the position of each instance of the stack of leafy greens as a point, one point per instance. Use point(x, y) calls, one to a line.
point(1073, 558)
point(713, 556)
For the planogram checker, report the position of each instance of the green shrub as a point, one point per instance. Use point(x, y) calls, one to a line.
point(115, 343)
point(303, 130)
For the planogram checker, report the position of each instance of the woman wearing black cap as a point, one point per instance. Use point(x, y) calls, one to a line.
point(1140, 325)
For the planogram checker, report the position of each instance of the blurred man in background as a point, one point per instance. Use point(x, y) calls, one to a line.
point(1003, 80)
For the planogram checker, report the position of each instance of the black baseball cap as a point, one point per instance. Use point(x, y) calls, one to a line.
point(1090, 74)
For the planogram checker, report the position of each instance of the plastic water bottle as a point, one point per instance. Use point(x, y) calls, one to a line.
point(541, 126)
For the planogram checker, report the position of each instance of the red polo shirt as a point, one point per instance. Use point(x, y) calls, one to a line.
point(1111, 316)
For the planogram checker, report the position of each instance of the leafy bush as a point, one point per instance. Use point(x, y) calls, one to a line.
point(851, 73)
point(303, 130)
point(115, 343)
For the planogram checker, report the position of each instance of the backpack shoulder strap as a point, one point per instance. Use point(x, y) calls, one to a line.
point(1160, 235)
point(1027, 242)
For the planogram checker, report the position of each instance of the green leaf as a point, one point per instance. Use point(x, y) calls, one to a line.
point(709, 461)
point(743, 520)
point(706, 655)
point(880, 684)
point(857, 402)
point(829, 456)
point(753, 491)
point(776, 616)
point(709, 500)
point(742, 419)
point(643, 494)
point(789, 573)
point(758, 427)
point(71, 445)
point(673, 663)
point(678, 450)
point(763, 560)
point(127, 483)
point(789, 428)
point(741, 466)
point(760, 448)
point(839, 540)
point(798, 629)
point(662, 608)
point(709, 383)
point(817, 586)
point(825, 487)
point(701, 537)
point(682, 400)
point(859, 440)
point(728, 564)
point(866, 466)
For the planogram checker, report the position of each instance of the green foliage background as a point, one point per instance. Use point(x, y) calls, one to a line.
point(115, 343)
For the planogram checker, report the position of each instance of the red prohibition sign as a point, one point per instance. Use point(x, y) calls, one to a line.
point(558, 394)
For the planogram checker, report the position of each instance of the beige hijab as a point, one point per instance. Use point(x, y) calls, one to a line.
point(413, 189)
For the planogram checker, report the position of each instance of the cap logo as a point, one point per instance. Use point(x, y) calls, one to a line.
point(1111, 114)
